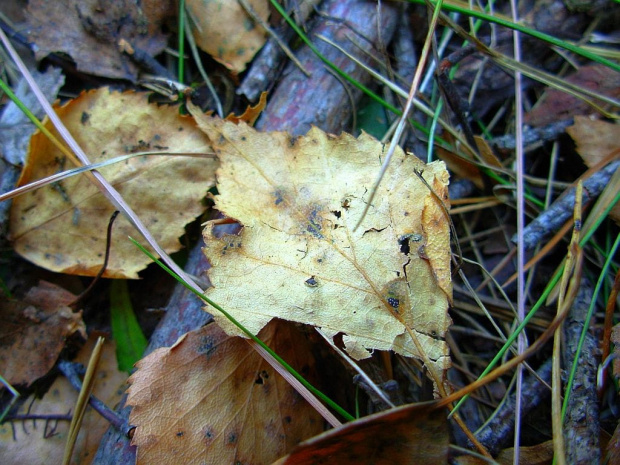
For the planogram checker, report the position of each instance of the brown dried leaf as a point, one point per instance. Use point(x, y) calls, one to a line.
point(412, 434)
point(38, 442)
point(595, 139)
point(298, 257)
point(34, 331)
point(466, 168)
point(251, 114)
point(62, 227)
point(556, 105)
point(88, 31)
point(225, 31)
point(211, 398)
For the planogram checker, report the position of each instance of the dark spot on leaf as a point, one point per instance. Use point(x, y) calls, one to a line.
point(278, 196)
point(207, 346)
point(337, 213)
point(85, 117)
point(311, 282)
point(314, 224)
point(232, 438)
point(393, 302)
point(262, 376)
point(248, 24)
point(180, 434)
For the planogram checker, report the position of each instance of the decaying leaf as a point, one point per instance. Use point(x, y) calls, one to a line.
point(595, 139)
point(212, 399)
point(298, 256)
point(225, 31)
point(88, 31)
point(62, 227)
point(35, 442)
point(412, 434)
point(34, 331)
point(466, 168)
point(556, 105)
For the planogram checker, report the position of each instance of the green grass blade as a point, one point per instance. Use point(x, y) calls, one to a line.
point(130, 340)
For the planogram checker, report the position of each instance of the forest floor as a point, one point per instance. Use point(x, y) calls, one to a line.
point(378, 214)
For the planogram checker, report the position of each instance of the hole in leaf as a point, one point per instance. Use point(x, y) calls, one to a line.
point(404, 245)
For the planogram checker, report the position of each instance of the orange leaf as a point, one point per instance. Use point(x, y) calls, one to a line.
point(412, 434)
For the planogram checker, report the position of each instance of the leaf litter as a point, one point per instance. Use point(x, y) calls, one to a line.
point(40, 441)
point(298, 256)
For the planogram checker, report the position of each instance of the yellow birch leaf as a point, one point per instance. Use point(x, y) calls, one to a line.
point(298, 256)
point(63, 226)
point(225, 31)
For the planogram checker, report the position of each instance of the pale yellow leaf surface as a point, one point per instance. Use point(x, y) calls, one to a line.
point(298, 257)
point(212, 399)
point(225, 31)
point(62, 227)
point(37, 442)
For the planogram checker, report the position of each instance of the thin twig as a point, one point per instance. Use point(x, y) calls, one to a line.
point(71, 371)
